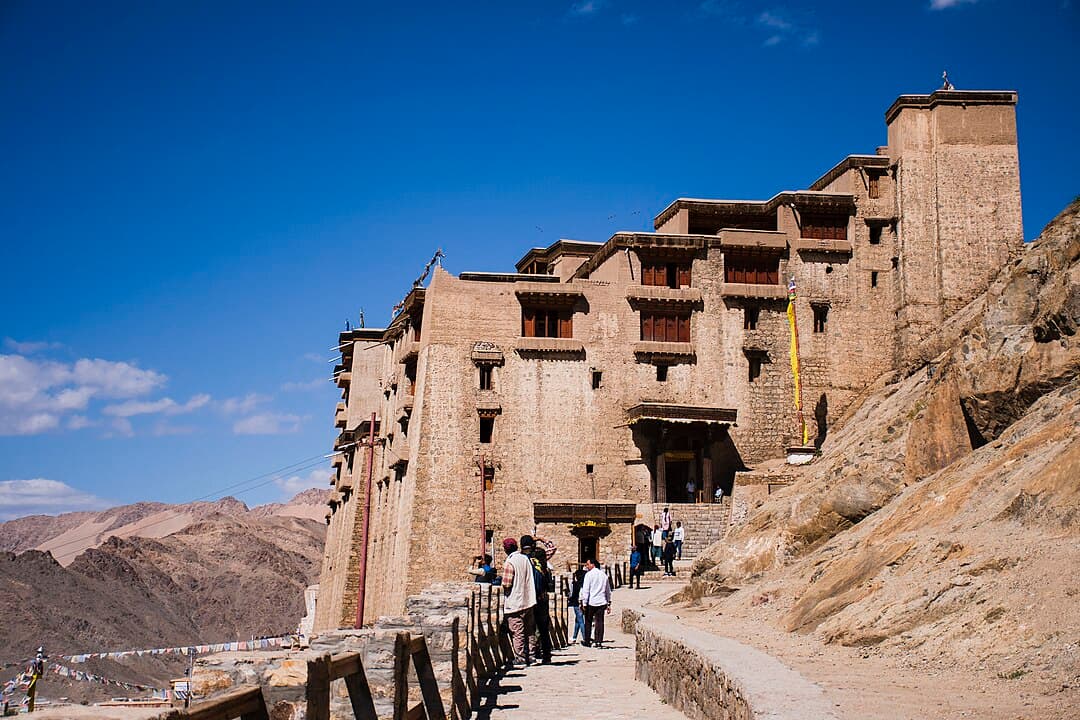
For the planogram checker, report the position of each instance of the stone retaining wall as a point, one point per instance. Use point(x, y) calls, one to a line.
point(708, 677)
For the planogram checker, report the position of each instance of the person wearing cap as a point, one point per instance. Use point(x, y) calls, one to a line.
point(520, 592)
point(540, 551)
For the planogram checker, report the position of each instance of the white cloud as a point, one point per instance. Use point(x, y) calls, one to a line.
point(163, 428)
point(166, 406)
point(29, 348)
point(44, 497)
point(268, 424)
point(773, 40)
point(289, 486)
point(120, 427)
point(945, 4)
point(35, 394)
point(314, 357)
point(78, 422)
point(242, 405)
point(586, 7)
point(774, 20)
point(306, 385)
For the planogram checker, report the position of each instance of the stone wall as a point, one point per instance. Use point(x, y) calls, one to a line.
point(708, 677)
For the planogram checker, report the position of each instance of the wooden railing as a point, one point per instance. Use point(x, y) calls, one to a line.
point(245, 703)
point(487, 652)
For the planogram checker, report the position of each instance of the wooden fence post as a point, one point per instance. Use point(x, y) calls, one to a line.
point(425, 675)
point(401, 676)
point(318, 688)
point(459, 693)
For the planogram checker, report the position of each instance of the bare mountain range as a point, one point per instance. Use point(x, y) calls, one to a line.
point(153, 575)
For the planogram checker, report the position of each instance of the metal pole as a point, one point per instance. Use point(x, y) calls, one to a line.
point(483, 510)
point(366, 525)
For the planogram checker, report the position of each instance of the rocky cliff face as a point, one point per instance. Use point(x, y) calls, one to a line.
point(942, 519)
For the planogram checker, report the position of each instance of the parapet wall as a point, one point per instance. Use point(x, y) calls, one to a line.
point(707, 677)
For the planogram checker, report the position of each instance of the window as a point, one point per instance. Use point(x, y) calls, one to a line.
point(404, 423)
point(547, 322)
point(750, 317)
point(588, 468)
point(665, 274)
point(400, 469)
point(821, 317)
point(895, 263)
point(874, 185)
point(751, 268)
point(487, 376)
point(824, 227)
point(597, 376)
point(416, 329)
point(536, 268)
point(487, 428)
point(661, 373)
point(755, 367)
point(489, 477)
point(410, 375)
point(664, 327)
point(875, 234)
point(873, 278)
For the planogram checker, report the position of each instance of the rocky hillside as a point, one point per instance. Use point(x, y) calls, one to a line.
point(223, 576)
point(67, 536)
point(941, 523)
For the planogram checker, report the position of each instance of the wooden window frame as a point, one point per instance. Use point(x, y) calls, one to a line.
point(658, 272)
point(824, 227)
point(486, 376)
point(751, 268)
point(665, 326)
point(549, 322)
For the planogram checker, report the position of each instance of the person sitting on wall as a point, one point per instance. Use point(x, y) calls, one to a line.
point(484, 570)
point(520, 591)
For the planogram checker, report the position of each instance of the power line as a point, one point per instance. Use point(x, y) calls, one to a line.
point(273, 475)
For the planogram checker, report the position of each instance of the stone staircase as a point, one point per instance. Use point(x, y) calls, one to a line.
point(704, 523)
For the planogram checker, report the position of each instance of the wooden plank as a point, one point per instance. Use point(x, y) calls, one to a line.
point(363, 704)
point(459, 706)
point(345, 664)
point(318, 688)
point(416, 712)
point(242, 701)
point(401, 676)
point(425, 675)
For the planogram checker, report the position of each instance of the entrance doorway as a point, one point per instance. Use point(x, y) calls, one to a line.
point(588, 548)
point(689, 461)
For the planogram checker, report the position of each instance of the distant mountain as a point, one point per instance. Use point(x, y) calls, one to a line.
point(68, 535)
point(153, 575)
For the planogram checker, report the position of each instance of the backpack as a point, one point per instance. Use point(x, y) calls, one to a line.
point(543, 580)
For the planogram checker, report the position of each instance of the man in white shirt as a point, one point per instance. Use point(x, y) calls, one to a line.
point(657, 543)
point(520, 591)
point(679, 536)
point(595, 601)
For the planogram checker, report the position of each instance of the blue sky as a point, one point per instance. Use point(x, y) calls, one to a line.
point(195, 195)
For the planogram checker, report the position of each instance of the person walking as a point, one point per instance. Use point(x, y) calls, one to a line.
point(657, 544)
point(596, 600)
point(544, 583)
point(520, 591)
point(669, 558)
point(636, 567)
point(574, 601)
point(679, 535)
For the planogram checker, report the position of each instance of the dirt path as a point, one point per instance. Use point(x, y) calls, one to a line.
point(866, 684)
point(597, 683)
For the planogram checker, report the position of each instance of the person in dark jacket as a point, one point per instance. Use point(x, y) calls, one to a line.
point(637, 569)
point(539, 555)
point(574, 601)
point(669, 558)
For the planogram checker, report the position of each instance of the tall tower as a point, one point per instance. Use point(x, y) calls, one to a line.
point(957, 173)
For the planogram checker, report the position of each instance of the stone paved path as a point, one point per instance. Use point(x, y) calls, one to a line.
point(582, 683)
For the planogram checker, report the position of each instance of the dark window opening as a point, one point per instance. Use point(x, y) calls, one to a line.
point(489, 477)
point(665, 327)
point(487, 429)
point(821, 317)
point(873, 278)
point(711, 224)
point(410, 375)
point(487, 376)
point(824, 227)
point(588, 468)
point(547, 322)
point(895, 263)
point(661, 373)
point(828, 269)
point(875, 234)
point(536, 268)
point(755, 367)
point(400, 469)
point(874, 185)
point(750, 317)
point(597, 376)
point(665, 274)
point(404, 423)
point(751, 268)
point(416, 330)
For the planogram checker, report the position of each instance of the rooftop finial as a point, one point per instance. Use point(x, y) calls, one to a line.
point(945, 84)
